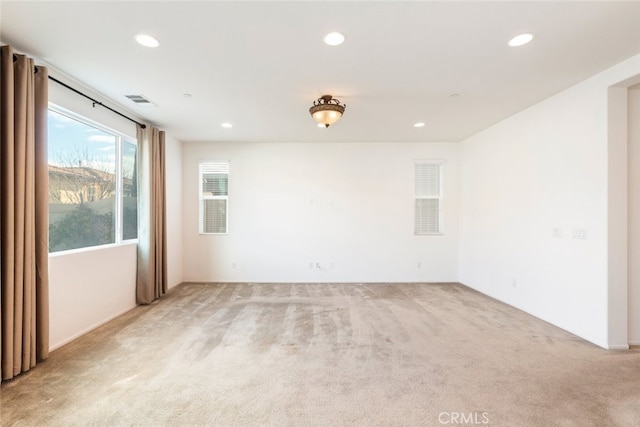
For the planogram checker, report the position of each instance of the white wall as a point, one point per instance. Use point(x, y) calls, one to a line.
point(347, 207)
point(527, 185)
point(634, 214)
point(90, 287)
point(617, 195)
point(173, 165)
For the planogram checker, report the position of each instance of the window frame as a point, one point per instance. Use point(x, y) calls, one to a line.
point(439, 197)
point(120, 140)
point(202, 197)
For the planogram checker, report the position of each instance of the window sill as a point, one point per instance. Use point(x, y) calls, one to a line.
point(93, 248)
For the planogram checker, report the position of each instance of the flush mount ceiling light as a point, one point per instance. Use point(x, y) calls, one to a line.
point(521, 39)
point(147, 40)
point(334, 39)
point(419, 125)
point(227, 125)
point(326, 110)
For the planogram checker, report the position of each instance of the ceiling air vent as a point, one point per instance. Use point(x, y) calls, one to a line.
point(141, 101)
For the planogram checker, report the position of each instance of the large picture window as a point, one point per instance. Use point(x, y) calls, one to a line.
point(92, 184)
point(214, 197)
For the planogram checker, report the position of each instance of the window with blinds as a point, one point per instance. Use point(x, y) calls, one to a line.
point(214, 197)
point(428, 198)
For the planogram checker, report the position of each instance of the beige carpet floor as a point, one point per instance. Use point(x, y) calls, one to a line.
point(327, 355)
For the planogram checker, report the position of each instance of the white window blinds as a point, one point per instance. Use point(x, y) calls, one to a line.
point(214, 197)
point(428, 198)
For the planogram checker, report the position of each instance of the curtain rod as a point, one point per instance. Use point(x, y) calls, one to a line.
point(142, 125)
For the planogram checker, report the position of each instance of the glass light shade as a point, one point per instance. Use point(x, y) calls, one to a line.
point(326, 117)
point(326, 110)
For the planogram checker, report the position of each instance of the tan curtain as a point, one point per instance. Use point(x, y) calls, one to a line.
point(152, 241)
point(24, 188)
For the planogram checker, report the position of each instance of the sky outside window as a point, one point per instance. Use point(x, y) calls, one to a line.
point(76, 144)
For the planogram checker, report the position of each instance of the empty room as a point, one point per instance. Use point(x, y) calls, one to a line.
point(320, 213)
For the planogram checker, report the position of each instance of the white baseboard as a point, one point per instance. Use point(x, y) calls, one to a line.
point(619, 347)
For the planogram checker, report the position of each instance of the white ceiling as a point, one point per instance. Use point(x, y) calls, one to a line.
point(260, 65)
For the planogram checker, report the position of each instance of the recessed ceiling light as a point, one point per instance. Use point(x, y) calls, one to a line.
point(334, 39)
point(187, 95)
point(226, 125)
point(521, 39)
point(454, 95)
point(147, 40)
point(419, 125)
